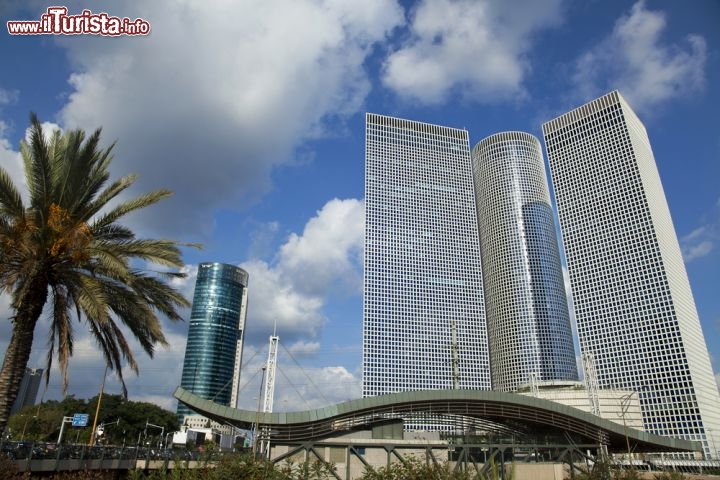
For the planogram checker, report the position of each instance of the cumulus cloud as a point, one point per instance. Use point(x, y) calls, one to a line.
point(291, 290)
point(214, 99)
point(329, 250)
point(635, 60)
point(476, 48)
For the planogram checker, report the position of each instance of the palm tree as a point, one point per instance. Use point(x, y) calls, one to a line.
point(65, 248)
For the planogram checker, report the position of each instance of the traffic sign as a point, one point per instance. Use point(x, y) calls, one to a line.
point(80, 420)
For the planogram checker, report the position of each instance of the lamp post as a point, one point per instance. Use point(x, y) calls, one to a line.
point(148, 424)
point(97, 409)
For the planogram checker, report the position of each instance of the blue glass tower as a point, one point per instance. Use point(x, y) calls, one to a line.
point(213, 353)
point(526, 306)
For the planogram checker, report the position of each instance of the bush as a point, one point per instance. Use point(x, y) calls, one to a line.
point(8, 468)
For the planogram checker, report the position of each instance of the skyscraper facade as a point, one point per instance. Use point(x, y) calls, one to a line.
point(634, 307)
point(423, 312)
point(526, 306)
point(213, 354)
point(29, 386)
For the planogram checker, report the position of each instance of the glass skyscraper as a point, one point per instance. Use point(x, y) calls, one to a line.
point(213, 353)
point(422, 275)
point(634, 307)
point(526, 306)
point(29, 386)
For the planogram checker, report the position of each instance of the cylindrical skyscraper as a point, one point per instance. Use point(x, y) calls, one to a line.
point(526, 306)
point(213, 353)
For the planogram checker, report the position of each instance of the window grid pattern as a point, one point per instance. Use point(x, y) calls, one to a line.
point(627, 314)
point(422, 274)
point(215, 336)
point(525, 301)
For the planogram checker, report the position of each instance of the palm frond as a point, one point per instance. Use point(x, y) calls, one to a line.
point(135, 313)
point(110, 192)
point(36, 160)
point(160, 252)
point(61, 331)
point(130, 206)
point(11, 204)
point(95, 165)
point(112, 233)
point(160, 295)
point(114, 347)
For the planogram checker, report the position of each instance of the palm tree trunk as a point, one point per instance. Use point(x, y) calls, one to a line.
point(20, 346)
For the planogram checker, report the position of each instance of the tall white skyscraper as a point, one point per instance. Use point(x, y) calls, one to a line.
point(635, 310)
point(525, 302)
point(422, 277)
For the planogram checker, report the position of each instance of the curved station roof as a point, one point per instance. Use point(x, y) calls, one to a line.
point(489, 411)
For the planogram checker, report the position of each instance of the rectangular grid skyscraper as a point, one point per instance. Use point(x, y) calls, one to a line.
point(422, 275)
point(634, 307)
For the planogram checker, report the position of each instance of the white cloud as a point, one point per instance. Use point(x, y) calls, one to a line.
point(274, 301)
point(10, 158)
point(8, 96)
point(329, 250)
point(324, 260)
point(697, 251)
point(635, 60)
point(220, 97)
point(702, 241)
point(476, 48)
point(303, 348)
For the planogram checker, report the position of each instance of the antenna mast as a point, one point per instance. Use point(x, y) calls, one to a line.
point(270, 372)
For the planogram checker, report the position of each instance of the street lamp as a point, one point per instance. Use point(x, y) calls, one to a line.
point(148, 424)
point(97, 409)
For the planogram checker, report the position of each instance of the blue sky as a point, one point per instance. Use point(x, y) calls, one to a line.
point(252, 112)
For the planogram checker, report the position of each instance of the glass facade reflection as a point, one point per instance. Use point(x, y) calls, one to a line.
point(526, 305)
point(213, 353)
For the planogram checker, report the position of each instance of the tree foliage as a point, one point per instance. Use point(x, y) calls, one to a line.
point(65, 249)
point(42, 422)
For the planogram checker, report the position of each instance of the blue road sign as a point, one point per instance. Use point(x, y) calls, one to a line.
point(80, 420)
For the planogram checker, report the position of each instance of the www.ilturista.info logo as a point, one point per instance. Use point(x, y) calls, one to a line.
point(57, 22)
